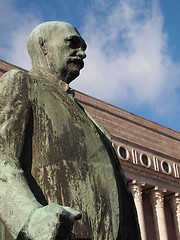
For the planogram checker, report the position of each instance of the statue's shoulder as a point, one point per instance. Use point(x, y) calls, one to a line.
point(14, 81)
point(15, 74)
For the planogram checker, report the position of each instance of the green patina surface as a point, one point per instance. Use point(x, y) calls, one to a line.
point(52, 154)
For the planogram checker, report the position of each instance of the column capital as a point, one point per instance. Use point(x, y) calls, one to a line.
point(175, 201)
point(157, 196)
point(136, 188)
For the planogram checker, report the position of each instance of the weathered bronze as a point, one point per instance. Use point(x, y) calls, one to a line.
point(53, 154)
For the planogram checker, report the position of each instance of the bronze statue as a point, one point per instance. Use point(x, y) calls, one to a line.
point(53, 154)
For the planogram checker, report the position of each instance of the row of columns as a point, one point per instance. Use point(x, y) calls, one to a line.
point(157, 201)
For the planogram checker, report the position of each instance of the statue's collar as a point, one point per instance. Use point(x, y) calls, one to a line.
point(65, 87)
point(51, 80)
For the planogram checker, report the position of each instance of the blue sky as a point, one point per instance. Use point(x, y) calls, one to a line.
point(133, 55)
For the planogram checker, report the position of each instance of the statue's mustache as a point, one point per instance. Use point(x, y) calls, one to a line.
point(77, 60)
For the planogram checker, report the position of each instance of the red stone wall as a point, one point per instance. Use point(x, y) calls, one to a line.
point(4, 67)
point(132, 128)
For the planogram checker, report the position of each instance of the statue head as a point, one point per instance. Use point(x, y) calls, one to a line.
point(56, 50)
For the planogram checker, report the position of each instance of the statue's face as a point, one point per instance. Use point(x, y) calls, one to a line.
point(66, 53)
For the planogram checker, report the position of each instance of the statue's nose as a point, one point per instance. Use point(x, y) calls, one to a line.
point(81, 53)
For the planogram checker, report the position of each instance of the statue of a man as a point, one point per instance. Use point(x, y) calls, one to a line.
point(53, 154)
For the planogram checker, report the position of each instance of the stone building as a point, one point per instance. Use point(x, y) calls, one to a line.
point(150, 156)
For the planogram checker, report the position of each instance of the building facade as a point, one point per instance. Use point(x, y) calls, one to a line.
point(150, 156)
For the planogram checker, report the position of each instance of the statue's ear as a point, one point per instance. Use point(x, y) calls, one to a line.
point(42, 44)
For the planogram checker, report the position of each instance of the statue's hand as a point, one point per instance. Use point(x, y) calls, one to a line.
point(51, 222)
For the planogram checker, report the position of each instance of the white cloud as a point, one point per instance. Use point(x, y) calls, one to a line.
point(15, 28)
point(128, 59)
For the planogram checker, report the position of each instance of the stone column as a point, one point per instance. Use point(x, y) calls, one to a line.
point(157, 201)
point(137, 194)
point(175, 205)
